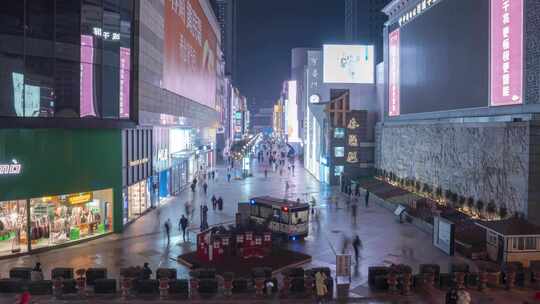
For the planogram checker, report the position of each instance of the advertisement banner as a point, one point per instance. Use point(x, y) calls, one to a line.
point(506, 52)
point(393, 87)
point(87, 77)
point(190, 49)
point(125, 68)
point(348, 64)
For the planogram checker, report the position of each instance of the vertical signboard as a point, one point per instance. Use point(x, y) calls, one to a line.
point(125, 68)
point(393, 87)
point(190, 49)
point(506, 48)
point(292, 112)
point(87, 77)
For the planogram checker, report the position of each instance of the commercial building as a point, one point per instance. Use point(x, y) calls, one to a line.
point(262, 121)
point(103, 115)
point(364, 23)
point(336, 97)
point(461, 110)
point(227, 16)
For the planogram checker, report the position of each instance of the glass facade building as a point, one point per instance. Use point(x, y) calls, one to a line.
point(66, 58)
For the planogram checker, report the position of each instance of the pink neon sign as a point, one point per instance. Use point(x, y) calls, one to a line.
point(393, 87)
point(506, 52)
point(125, 68)
point(86, 98)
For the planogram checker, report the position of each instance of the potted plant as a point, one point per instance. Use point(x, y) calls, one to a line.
point(470, 203)
point(480, 207)
point(503, 212)
point(491, 208)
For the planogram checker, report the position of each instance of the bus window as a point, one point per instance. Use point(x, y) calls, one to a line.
point(255, 210)
point(300, 217)
point(285, 217)
point(265, 212)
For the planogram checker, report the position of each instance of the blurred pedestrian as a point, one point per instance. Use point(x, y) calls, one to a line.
point(265, 172)
point(220, 203)
point(193, 187)
point(229, 177)
point(24, 298)
point(183, 225)
point(367, 198)
point(205, 187)
point(357, 245)
point(168, 230)
point(146, 272)
point(353, 212)
point(214, 202)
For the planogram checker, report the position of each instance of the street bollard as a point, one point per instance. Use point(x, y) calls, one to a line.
point(482, 279)
point(459, 278)
point(57, 288)
point(407, 283)
point(163, 288)
point(392, 282)
point(259, 287)
point(126, 286)
point(510, 279)
point(194, 288)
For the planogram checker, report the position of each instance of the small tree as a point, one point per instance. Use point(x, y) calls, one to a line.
point(503, 212)
point(480, 206)
point(491, 208)
point(470, 202)
point(461, 200)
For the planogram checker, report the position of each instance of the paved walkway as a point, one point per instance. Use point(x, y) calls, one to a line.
point(385, 240)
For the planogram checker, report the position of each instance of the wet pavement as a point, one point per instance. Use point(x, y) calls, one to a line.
point(385, 240)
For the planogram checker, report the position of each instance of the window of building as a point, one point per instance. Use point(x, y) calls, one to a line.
point(339, 133)
point(338, 170)
point(530, 243)
point(492, 238)
point(339, 151)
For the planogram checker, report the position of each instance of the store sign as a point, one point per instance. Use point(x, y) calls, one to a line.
point(80, 198)
point(416, 11)
point(394, 74)
point(106, 35)
point(506, 52)
point(138, 162)
point(11, 169)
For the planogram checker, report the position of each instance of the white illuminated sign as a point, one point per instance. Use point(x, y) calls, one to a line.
point(11, 169)
point(106, 35)
point(292, 112)
point(416, 10)
point(348, 64)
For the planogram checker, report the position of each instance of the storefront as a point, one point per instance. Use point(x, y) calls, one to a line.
point(54, 220)
point(139, 187)
point(180, 172)
point(67, 187)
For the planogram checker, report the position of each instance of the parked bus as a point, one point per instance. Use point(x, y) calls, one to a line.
point(282, 216)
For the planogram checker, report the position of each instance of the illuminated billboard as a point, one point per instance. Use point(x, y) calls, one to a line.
point(348, 64)
point(506, 46)
point(393, 66)
point(190, 49)
point(292, 112)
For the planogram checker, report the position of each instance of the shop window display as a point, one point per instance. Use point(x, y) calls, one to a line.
point(139, 199)
point(54, 220)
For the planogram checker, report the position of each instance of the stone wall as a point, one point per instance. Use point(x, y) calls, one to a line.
point(488, 161)
point(152, 97)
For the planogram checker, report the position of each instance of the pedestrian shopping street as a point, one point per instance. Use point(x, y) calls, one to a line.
point(385, 240)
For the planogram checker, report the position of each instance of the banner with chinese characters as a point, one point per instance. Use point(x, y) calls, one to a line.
point(393, 93)
point(506, 52)
point(190, 52)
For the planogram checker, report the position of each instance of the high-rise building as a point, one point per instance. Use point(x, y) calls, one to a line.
point(364, 22)
point(227, 15)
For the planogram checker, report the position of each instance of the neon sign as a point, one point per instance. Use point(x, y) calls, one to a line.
point(11, 169)
point(416, 11)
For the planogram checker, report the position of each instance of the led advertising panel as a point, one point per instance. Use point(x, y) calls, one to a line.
point(506, 52)
point(442, 58)
point(348, 64)
point(190, 49)
point(393, 66)
point(292, 112)
point(86, 100)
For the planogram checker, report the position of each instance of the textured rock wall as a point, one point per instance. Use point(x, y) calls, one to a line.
point(488, 161)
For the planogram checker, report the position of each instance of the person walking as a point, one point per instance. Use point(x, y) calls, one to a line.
point(265, 172)
point(205, 187)
point(353, 212)
point(357, 245)
point(214, 202)
point(228, 177)
point(168, 230)
point(292, 168)
point(193, 187)
point(220, 203)
point(367, 198)
point(183, 225)
point(287, 186)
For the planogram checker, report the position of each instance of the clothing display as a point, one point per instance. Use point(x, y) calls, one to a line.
point(52, 220)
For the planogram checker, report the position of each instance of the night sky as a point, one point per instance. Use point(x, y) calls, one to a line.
point(268, 30)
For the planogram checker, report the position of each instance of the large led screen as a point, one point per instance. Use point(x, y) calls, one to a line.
point(444, 58)
point(190, 48)
point(292, 112)
point(348, 64)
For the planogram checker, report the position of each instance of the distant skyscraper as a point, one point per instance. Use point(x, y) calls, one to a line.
point(227, 15)
point(364, 23)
